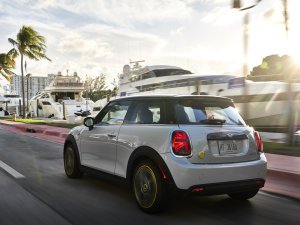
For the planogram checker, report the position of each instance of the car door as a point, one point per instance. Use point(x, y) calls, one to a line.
point(98, 145)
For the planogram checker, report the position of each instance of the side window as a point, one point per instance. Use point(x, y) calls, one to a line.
point(46, 103)
point(114, 113)
point(155, 109)
point(150, 112)
point(190, 114)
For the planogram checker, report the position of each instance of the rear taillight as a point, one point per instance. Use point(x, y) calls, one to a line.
point(259, 142)
point(181, 144)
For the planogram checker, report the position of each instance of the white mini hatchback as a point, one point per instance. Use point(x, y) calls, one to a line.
point(168, 144)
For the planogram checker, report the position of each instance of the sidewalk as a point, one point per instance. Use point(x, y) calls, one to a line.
point(283, 175)
point(44, 132)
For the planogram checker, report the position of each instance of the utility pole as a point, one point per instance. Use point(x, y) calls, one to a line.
point(245, 66)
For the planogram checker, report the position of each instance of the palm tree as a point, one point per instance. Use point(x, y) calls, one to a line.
point(31, 44)
point(7, 63)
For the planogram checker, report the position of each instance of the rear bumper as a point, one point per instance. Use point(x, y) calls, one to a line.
point(187, 175)
point(227, 187)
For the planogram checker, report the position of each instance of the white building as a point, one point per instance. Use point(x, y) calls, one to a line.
point(4, 86)
point(35, 84)
point(16, 84)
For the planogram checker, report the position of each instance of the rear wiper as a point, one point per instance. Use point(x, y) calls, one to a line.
point(212, 121)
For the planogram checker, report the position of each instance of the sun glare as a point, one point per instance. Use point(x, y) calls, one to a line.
point(294, 48)
point(294, 32)
point(296, 57)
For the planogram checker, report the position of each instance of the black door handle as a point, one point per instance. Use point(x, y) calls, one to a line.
point(111, 135)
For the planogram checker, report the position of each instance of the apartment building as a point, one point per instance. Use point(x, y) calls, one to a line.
point(35, 84)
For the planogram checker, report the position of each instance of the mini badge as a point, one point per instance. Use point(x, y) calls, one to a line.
point(201, 154)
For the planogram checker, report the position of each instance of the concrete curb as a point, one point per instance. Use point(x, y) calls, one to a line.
point(20, 127)
point(284, 193)
point(50, 132)
point(53, 133)
point(64, 135)
point(285, 174)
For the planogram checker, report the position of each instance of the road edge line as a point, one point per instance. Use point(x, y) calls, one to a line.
point(11, 170)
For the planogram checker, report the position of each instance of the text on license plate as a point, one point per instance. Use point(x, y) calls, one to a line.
point(228, 147)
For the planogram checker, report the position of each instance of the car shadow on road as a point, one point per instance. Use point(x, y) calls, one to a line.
point(221, 205)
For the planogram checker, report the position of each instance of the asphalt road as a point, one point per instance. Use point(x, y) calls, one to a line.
point(35, 190)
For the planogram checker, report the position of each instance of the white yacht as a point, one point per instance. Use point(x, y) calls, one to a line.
point(62, 98)
point(9, 102)
point(267, 102)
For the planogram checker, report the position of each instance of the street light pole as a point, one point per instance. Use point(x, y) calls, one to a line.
point(86, 91)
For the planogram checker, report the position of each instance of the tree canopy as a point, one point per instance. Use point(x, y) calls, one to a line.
point(29, 43)
point(96, 88)
point(276, 65)
point(7, 64)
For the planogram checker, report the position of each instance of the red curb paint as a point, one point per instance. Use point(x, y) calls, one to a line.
point(63, 135)
point(52, 133)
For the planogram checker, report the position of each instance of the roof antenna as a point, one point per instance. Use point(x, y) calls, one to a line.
point(136, 65)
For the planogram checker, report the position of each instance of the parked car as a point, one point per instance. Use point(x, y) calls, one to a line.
point(168, 144)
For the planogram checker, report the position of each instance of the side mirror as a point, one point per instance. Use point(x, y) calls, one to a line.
point(89, 122)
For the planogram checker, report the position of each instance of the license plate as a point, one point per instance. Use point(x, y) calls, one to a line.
point(228, 147)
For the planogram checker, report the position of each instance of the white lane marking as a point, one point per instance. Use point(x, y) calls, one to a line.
point(10, 170)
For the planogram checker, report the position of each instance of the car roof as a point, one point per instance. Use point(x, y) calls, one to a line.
point(172, 96)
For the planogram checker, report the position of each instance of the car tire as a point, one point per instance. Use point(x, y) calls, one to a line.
point(243, 195)
point(149, 188)
point(71, 163)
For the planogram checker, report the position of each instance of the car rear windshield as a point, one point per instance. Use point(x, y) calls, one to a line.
point(207, 112)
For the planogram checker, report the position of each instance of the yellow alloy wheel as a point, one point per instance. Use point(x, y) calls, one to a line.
point(145, 186)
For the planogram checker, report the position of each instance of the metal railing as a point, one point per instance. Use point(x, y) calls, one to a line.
point(69, 84)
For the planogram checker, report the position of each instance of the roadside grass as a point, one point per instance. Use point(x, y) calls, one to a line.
point(41, 122)
point(281, 149)
point(5, 118)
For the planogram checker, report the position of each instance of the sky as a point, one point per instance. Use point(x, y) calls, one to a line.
point(91, 37)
